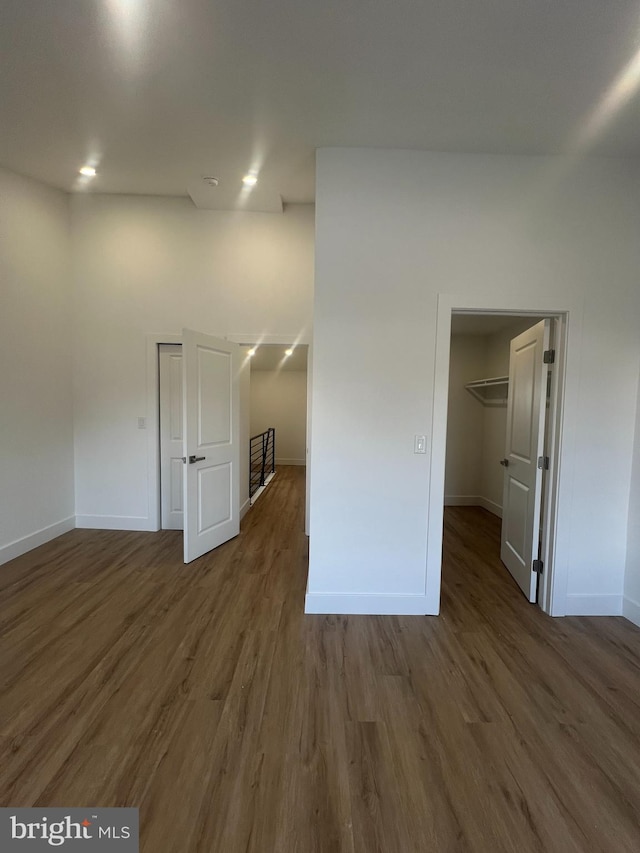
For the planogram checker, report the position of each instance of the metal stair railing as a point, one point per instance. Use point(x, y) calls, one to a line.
point(262, 459)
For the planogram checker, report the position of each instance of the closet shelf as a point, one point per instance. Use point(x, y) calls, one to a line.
point(490, 392)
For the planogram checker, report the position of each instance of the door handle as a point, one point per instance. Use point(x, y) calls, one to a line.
point(504, 462)
point(193, 459)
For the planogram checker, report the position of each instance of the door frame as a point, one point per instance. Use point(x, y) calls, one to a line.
point(153, 424)
point(153, 341)
point(562, 411)
point(303, 339)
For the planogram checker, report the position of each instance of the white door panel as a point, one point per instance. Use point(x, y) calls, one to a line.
point(171, 437)
point(211, 410)
point(524, 444)
point(214, 375)
point(214, 496)
point(523, 409)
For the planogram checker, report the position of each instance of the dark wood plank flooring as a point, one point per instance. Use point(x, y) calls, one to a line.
point(204, 696)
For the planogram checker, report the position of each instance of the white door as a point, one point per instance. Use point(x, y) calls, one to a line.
point(211, 411)
point(524, 444)
point(171, 437)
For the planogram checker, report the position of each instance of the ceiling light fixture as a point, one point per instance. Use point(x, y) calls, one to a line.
point(289, 351)
point(250, 180)
point(88, 171)
point(252, 351)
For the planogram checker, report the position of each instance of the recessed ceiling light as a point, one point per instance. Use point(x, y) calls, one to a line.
point(252, 351)
point(250, 180)
point(88, 171)
point(289, 351)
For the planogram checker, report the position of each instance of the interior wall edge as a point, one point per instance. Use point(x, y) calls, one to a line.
point(631, 610)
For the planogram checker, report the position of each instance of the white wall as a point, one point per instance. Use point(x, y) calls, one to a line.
point(395, 229)
point(631, 607)
point(279, 399)
point(146, 265)
point(36, 407)
point(462, 484)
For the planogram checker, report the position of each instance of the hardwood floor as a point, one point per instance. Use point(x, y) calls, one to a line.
point(204, 696)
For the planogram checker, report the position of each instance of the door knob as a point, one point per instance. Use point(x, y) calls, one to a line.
point(193, 459)
point(504, 462)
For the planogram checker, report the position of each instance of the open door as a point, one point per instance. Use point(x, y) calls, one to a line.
point(522, 494)
point(211, 410)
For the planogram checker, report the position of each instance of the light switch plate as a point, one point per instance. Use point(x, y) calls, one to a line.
point(420, 444)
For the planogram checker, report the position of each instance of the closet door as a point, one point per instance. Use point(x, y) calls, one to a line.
point(522, 493)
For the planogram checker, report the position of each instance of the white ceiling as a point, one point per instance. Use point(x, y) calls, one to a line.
point(159, 93)
point(273, 357)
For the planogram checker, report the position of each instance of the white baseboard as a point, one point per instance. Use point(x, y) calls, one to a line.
point(373, 605)
point(27, 543)
point(593, 605)
point(631, 610)
point(261, 489)
point(290, 461)
point(115, 522)
point(473, 500)
point(461, 500)
point(490, 506)
point(244, 509)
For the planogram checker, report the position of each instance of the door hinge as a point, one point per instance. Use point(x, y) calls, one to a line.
point(537, 566)
point(184, 459)
point(543, 463)
point(549, 356)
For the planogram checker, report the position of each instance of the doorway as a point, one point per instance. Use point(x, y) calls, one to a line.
point(171, 436)
point(497, 409)
point(196, 391)
point(277, 397)
point(552, 592)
